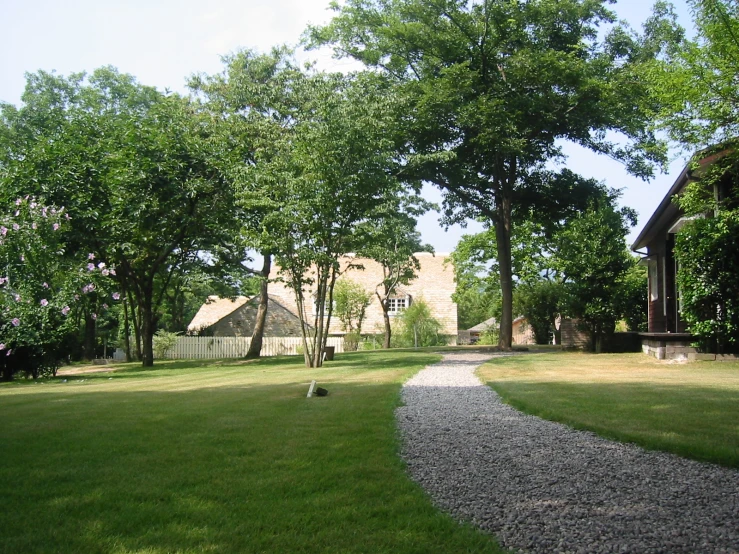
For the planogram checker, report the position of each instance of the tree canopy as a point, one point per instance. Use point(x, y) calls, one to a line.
point(136, 170)
point(494, 87)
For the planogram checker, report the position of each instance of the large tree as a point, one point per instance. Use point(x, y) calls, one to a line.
point(256, 101)
point(337, 167)
point(495, 86)
point(137, 171)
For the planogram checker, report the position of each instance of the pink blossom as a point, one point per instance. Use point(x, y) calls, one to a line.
point(17, 297)
point(101, 265)
point(65, 310)
point(44, 302)
point(15, 321)
point(23, 258)
point(2, 346)
point(17, 213)
point(94, 316)
point(46, 285)
point(112, 271)
point(33, 225)
point(116, 296)
point(67, 216)
point(105, 272)
point(90, 267)
point(56, 226)
point(43, 212)
point(3, 280)
point(9, 352)
point(3, 230)
point(33, 204)
point(91, 256)
point(18, 201)
point(16, 227)
point(105, 306)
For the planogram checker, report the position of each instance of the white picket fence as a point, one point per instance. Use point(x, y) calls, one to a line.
point(237, 347)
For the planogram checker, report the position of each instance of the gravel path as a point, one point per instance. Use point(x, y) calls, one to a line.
point(543, 487)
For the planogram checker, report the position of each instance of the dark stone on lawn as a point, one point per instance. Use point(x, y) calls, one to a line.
point(321, 392)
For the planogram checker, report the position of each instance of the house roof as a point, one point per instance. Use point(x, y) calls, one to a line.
point(215, 309)
point(492, 323)
point(485, 325)
point(667, 211)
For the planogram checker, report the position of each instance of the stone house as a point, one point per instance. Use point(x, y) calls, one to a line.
point(434, 283)
point(235, 317)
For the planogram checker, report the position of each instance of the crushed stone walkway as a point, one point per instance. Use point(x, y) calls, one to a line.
point(542, 487)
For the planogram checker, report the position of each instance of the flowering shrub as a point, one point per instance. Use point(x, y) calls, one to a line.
point(39, 290)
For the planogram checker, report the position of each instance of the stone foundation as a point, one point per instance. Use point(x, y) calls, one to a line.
point(668, 346)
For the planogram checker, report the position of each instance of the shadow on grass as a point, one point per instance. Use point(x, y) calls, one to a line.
point(226, 469)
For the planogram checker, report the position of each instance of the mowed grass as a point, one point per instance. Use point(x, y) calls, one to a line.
point(689, 409)
point(217, 457)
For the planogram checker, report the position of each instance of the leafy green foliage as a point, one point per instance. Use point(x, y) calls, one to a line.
point(592, 257)
point(477, 290)
point(541, 302)
point(350, 304)
point(42, 292)
point(164, 341)
point(633, 297)
point(391, 239)
point(494, 87)
point(708, 255)
point(697, 83)
point(137, 171)
point(339, 168)
point(418, 326)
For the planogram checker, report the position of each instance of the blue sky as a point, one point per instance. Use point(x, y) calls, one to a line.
point(162, 42)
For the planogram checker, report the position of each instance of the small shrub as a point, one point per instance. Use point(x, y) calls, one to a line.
point(351, 341)
point(490, 337)
point(164, 341)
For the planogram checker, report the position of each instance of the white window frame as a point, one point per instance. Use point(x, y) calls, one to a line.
point(398, 304)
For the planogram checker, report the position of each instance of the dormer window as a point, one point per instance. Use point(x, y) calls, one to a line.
point(397, 304)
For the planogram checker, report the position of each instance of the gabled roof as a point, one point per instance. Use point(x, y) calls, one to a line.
point(485, 325)
point(492, 323)
point(213, 310)
point(667, 211)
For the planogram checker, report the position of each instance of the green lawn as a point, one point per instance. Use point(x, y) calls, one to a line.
point(217, 457)
point(690, 409)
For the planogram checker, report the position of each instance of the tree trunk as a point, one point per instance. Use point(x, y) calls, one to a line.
point(255, 347)
point(135, 319)
point(503, 240)
point(126, 331)
point(148, 323)
point(89, 341)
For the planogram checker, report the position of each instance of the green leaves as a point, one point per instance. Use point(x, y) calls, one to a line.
point(707, 255)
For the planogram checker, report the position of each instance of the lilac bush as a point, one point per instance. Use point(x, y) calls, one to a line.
point(42, 289)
